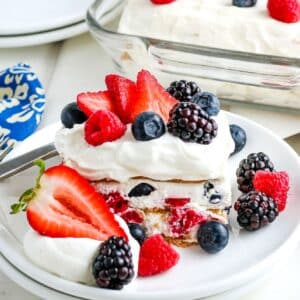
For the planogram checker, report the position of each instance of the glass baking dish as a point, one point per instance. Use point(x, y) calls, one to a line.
point(236, 77)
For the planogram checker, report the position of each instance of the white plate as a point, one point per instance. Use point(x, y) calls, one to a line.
point(43, 37)
point(247, 256)
point(44, 292)
point(32, 16)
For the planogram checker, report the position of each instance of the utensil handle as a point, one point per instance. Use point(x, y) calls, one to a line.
point(25, 161)
point(222, 65)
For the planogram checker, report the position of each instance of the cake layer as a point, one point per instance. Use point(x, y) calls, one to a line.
point(206, 194)
point(213, 23)
point(166, 158)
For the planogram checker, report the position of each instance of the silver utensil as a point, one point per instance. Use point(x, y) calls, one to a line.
point(6, 145)
point(25, 161)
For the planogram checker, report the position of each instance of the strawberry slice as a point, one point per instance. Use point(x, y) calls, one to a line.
point(64, 204)
point(151, 96)
point(123, 92)
point(91, 102)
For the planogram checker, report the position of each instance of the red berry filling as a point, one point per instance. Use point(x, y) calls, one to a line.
point(116, 202)
point(182, 220)
point(132, 216)
point(177, 202)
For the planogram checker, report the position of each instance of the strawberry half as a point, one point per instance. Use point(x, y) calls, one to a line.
point(123, 92)
point(90, 102)
point(64, 204)
point(151, 96)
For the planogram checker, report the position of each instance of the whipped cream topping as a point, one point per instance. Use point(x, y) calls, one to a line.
point(214, 23)
point(70, 258)
point(165, 158)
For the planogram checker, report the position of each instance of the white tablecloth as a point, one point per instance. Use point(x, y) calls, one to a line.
point(79, 64)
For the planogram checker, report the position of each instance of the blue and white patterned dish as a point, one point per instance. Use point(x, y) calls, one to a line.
point(22, 102)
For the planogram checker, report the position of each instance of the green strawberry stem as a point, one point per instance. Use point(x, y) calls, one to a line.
point(29, 194)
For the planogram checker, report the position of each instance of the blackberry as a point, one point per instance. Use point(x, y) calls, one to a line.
point(248, 168)
point(183, 90)
point(255, 210)
point(113, 267)
point(192, 124)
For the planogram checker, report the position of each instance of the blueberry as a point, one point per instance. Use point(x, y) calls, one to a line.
point(244, 3)
point(215, 198)
point(213, 236)
point(138, 232)
point(239, 136)
point(142, 189)
point(71, 114)
point(148, 126)
point(208, 102)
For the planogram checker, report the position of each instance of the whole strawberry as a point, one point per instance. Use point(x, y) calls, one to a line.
point(287, 11)
point(274, 185)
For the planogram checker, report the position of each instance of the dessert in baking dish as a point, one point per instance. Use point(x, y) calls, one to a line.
point(223, 24)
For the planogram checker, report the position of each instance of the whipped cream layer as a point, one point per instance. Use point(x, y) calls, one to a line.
point(213, 23)
point(202, 195)
point(165, 158)
point(70, 258)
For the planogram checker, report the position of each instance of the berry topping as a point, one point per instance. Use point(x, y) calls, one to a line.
point(156, 256)
point(91, 102)
point(103, 126)
point(239, 137)
point(287, 11)
point(151, 96)
point(123, 93)
point(116, 202)
point(183, 90)
point(138, 232)
point(71, 115)
point(244, 3)
point(182, 220)
point(177, 202)
point(162, 1)
point(213, 236)
point(208, 102)
point(113, 266)
point(249, 166)
point(64, 204)
point(192, 124)
point(274, 185)
point(142, 189)
point(148, 126)
point(255, 210)
point(132, 216)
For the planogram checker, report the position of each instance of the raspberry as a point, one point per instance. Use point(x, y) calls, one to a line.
point(182, 220)
point(287, 11)
point(116, 202)
point(177, 202)
point(103, 126)
point(156, 256)
point(274, 185)
point(132, 216)
point(162, 1)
